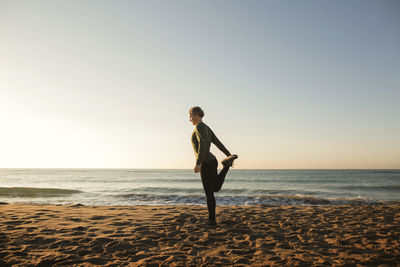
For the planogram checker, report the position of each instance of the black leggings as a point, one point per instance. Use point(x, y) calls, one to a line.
point(212, 182)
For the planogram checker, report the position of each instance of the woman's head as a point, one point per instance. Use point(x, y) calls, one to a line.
point(196, 115)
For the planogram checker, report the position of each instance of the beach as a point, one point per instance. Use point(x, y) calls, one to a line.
point(330, 235)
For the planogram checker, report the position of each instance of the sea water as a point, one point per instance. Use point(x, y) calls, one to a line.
point(176, 187)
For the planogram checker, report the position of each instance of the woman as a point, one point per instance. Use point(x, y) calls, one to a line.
point(206, 162)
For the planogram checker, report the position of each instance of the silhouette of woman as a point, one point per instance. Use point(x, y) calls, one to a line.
point(206, 162)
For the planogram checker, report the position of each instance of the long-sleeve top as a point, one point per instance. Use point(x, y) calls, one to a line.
point(202, 137)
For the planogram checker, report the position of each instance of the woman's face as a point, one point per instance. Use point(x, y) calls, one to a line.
point(194, 118)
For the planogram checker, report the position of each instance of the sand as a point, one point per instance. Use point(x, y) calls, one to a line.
point(177, 235)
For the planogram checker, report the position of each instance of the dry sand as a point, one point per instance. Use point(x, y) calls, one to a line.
point(177, 235)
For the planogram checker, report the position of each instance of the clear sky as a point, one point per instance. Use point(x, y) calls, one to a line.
point(284, 84)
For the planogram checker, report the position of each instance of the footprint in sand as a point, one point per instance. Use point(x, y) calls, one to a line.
point(74, 219)
point(115, 246)
point(15, 222)
point(98, 217)
point(124, 223)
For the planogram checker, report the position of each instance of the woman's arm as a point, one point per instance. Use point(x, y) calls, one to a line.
point(200, 135)
point(218, 143)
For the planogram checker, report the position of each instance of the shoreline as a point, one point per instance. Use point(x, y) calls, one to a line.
point(327, 235)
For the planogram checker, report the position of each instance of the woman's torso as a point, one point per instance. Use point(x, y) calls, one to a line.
point(205, 134)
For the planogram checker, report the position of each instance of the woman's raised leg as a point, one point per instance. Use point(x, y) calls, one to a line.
point(221, 178)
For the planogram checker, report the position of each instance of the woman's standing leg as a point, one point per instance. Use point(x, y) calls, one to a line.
point(208, 175)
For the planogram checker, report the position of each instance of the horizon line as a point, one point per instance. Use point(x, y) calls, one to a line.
point(113, 168)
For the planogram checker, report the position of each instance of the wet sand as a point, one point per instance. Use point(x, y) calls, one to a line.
point(177, 235)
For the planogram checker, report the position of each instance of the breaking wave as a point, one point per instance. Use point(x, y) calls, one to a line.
point(275, 200)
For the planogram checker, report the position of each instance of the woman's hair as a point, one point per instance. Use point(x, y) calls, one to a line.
point(196, 111)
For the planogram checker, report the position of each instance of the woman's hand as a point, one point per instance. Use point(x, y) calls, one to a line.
point(197, 168)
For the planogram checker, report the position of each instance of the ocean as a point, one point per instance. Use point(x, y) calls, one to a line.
point(180, 187)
